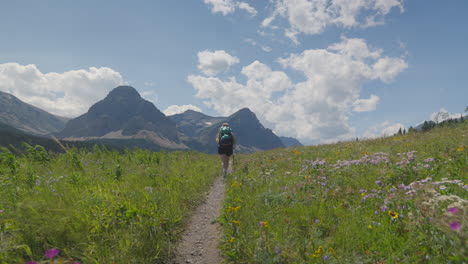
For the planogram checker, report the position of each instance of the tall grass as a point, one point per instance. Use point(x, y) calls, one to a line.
point(391, 200)
point(100, 206)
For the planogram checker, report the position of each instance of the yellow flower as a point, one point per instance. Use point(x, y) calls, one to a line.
point(332, 251)
point(297, 152)
point(232, 240)
point(395, 138)
point(263, 223)
point(461, 148)
point(394, 215)
point(369, 226)
point(319, 252)
point(235, 184)
point(236, 222)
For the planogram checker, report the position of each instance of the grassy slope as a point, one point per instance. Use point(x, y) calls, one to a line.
point(100, 206)
point(285, 206)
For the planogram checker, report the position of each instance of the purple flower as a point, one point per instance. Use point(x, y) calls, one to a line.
point(32, 262)
point(51, 253)
point(278, 250)
point(427, 166)
point(452, 210)
point(379, 183)
point(1, 211)
point(317, 221)
point(429, 160)
point(455, 226)
point(325, 257)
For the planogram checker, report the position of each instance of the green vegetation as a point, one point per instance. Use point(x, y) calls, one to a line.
point(400, 199)
point(100, 206)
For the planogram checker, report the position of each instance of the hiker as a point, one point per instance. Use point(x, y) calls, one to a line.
point(226, 142)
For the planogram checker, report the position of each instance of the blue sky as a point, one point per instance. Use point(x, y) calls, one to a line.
point(318, 70)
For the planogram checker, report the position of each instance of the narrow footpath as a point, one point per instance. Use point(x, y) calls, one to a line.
point(199, 243)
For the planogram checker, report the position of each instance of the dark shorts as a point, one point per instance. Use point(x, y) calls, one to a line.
point(225, 150)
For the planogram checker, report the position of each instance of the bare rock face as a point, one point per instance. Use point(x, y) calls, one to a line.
point(28, 118)
point(250, 134)
point(123, 113)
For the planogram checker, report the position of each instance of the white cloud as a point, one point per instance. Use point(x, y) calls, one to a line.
point(256, 44)
point(443, 114)
point(314, 16)
point(314, 110)
point(366, 105)
point(248, 8)
point(67, 94)
point(178, 109)
point(213, 62)
point(226, 7)
point(383, 129)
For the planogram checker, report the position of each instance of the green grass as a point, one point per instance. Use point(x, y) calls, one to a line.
point(284, 206)
point(100, 206)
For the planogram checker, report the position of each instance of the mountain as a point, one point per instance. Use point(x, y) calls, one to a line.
point(28, 118)
point(290, 142)
point(123, 114)
point(190, 123)
point(250, 134)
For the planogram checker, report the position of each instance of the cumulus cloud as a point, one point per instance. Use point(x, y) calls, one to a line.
point(366, 105)
point(443, 114)
point(178, 109)
point(67, 94)
point(313, 16)
point(213, 62)
point(383, 129)
point(314, 110)
point(226, 7)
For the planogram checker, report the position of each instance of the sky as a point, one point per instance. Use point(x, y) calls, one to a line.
point(318, 70)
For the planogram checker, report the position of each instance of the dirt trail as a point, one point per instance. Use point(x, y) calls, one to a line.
point(199, 243)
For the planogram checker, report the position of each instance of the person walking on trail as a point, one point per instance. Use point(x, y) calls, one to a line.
point(226, 142)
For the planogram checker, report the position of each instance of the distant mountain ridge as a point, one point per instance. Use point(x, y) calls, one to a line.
point(28, 118)
point(123, 114)
point(290, 142)
point(250, 134)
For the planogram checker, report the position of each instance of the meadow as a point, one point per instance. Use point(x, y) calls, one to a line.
point(98, 206)
point(400, 199)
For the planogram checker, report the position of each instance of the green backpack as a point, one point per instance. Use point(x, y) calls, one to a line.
point(225, 136)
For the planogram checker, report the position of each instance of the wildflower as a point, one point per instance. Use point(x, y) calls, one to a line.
point(278, 250)
point(442, 187)
point(233, 209)
point(232, 240)
point(317, 221)
point(461, 148)
point(455, 226)
point(235, 184)
point(427, 166)
point(452, 210)
point(32, 262)
point(429, 160)
point(379, 183)
point(369, 226)
point(332, 251)
point(1, 211)
point(383, 208)
point(236, 222)
point(325, 257)
point(263, 223)
point(394, 215)
point(318, 252)
point(51, 253)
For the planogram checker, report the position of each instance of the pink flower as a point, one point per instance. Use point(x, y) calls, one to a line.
point(32, 262)
point(455, 226)
point(452, 210)
point(51, 253)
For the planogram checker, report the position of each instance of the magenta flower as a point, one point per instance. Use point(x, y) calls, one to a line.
point(1, 211)
point(51, 253)
point(455, 226)
point(32, 262)
point(452, 210)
